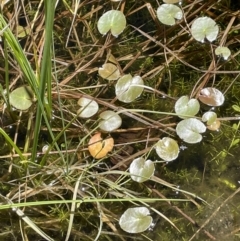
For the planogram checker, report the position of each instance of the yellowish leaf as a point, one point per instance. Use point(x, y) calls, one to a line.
point(98, 147)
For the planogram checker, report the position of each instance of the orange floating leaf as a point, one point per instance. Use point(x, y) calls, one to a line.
point(214, 126)
point(98, 147)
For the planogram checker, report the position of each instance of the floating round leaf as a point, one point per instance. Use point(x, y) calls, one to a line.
point(110, 121)
point(210, 117)
point(21, 98)
point(223, 51)
point(189, 130)
point(204, 27)
point(167, 149)
point(113, 21)
point(109, 71)
point(214, 126)
point(98, 147)
point(167, 13)
point(211, 96)
point(141, 170)
point(88, 107)
point(213, 123)
point(135, 220)
point(127, 88)
point(185, 108)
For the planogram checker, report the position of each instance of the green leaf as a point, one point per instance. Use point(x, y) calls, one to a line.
point(204, 27)
point(235, 142)
point(127, 88)
point(113, 21)
point(110, 121)
point(109, 71)
point(235, 127)
point(141, 170)
point(88, 107)
point(189, 130)
point(223, 52)
point(22, 32)
point(167, 149)
point(167, 13)
point(209, 117)
point(236, 108)
point(135, 220)
point(185, 107)
point(21, 98)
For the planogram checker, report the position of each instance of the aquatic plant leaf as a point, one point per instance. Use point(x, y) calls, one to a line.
point(109, 71)
point(110, 121)
point(127, 89)
point(141, 170)
point(236, 108)
point(189, 130)
point(112, 20)
point(184, 107)
point(21, 98)
point(210, 117)
point(135, 220)
point(88, 107)
point(204, 27)
point(213, 123)
point(223, 52)
point(98, 147)
point(167, 149)
point(235, 142)
point(214, 126)
point(22, 32)
point(167, 13)
point(211, 96)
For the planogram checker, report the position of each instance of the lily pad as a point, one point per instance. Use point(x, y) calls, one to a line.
point(167, 149)
point(110, 121)
point(109, 71)
point(167, 13)
point(135, 220)
point(204, 27)
point(141, 170)
point(214, 126)
point(88, 107)
point(21, 98)
point(213, 123)
point(210, 117)
point(127, 89)
point(223, 51)
point(113, 21)
point(211, 96)
point(189, 130)
point(186, 108)
point(98, 147)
